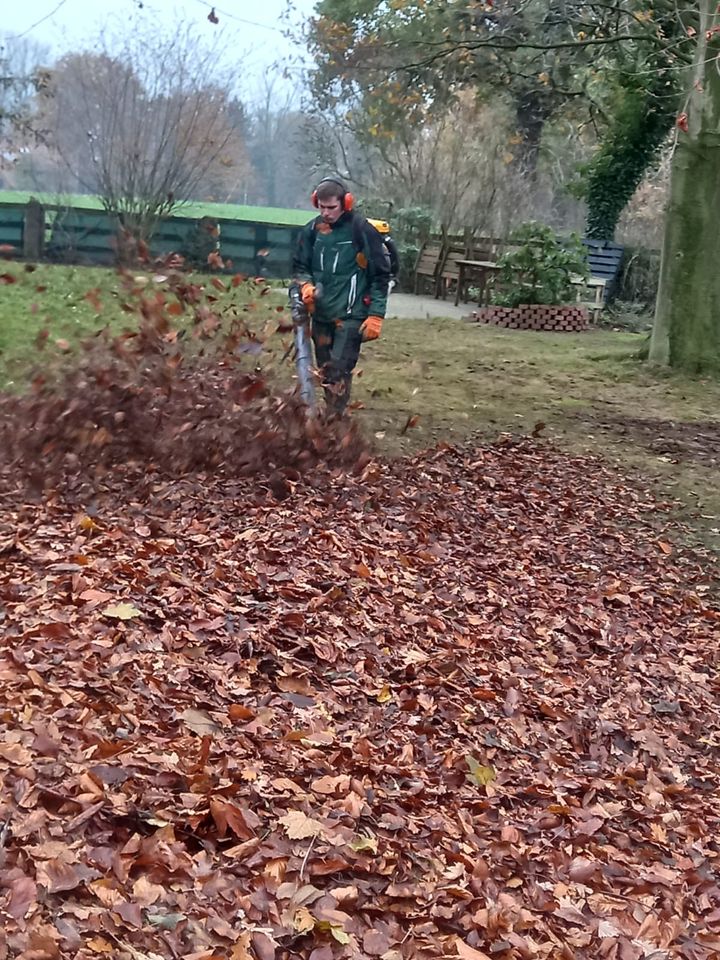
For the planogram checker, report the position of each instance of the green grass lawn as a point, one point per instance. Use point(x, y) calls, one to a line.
point(72, 302)
point(457, 378)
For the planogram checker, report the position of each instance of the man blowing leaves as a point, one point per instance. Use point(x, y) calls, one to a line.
point(342, 267)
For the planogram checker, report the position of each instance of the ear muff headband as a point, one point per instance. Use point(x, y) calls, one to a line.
point(347, 200)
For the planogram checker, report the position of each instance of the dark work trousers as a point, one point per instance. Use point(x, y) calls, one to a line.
point(337, 348)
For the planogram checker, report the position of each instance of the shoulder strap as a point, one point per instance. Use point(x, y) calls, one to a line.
point(360, 227)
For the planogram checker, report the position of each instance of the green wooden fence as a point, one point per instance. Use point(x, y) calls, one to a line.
point(12, 216)
point(86, 234)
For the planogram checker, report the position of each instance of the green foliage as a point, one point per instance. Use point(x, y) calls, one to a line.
point(539, 267)
point(640, 105)
point(411, 227)
point(412, 224)
point(639, 127)
point(389, 67)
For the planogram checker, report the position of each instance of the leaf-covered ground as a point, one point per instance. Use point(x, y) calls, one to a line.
point(460, 705)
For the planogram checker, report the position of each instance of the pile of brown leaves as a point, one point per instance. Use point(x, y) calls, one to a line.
point(464, 705)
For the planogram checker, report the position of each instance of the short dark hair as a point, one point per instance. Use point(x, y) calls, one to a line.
point(330, 190)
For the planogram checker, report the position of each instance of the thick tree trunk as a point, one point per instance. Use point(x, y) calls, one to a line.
point(686, 332)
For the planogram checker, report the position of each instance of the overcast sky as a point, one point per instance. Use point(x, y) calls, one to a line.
point(253, 28)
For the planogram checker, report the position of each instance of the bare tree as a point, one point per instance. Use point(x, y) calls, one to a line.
point(22, 75)
point(459, 164)
point(280, 151)
point(145, 124)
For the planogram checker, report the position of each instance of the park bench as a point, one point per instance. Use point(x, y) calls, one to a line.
point(591, 293)
point(604, 262)
point(462, 263)
point(449, 271)
point(427, 265)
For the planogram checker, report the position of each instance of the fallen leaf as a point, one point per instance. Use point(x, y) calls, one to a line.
point(329, 786)
point(199, 722)
point(479, 773)
point(238, 711)
point(122, 611)
point(469, 953)
point(303, 921)
point(607, 929)
point(23, 895)
point(364, 842)
point(165, 921)
point(299, 826)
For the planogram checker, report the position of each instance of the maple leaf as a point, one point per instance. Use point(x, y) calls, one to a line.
point(299, 826)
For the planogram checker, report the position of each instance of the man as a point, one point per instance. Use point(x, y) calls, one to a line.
point(342, 269)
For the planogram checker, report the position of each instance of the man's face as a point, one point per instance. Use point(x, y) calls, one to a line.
point(330, 210)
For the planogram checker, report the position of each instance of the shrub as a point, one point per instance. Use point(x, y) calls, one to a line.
point(411, 227)
point(539, 267)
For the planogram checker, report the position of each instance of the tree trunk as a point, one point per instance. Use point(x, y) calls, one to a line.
point(531, 113)
point(686, 332)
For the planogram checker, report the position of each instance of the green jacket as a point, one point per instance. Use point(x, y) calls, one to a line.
point(349, 259)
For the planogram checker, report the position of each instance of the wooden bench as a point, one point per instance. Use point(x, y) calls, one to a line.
point(427, 265)
point(590, 294)
point(604, 262)
point(449, 274)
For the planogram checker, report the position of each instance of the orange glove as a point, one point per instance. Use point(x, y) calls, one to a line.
point(371, 328)
point(307, 292)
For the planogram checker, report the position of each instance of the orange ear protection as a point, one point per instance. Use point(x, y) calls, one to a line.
point(346, 200)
